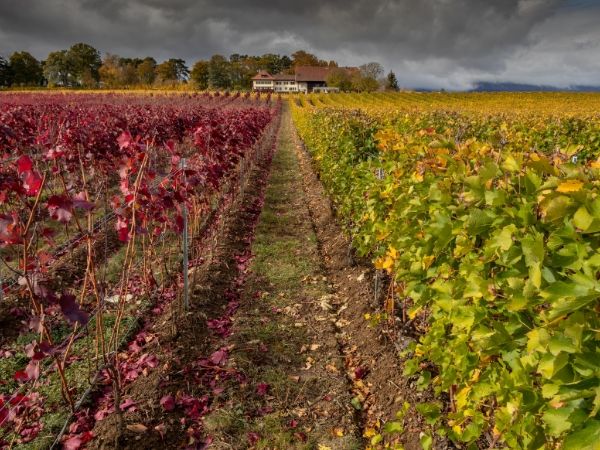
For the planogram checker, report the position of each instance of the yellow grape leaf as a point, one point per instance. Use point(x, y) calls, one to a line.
point(427, 261)
point(323, 447)
point(413, 313)
point(569, 186)
point(511, 164)
point(418, 177)
point(462, 397)
point(369, 432)
point(595, 164)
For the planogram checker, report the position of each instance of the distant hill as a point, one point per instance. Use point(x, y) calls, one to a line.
point(485, 86)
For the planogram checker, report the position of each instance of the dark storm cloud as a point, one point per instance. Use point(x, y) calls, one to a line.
point(445, 43)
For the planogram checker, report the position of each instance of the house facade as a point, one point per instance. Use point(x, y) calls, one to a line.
point(304, 79)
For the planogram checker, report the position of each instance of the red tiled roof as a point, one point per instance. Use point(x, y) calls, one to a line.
point(303, 73)
point(284, 77)
point(310, 73)
point(262, 75)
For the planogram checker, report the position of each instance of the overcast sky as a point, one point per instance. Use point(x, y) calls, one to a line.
point(428, 43)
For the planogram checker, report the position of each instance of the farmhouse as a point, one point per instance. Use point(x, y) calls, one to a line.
point(304, 79)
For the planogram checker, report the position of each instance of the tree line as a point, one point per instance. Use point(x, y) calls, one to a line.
point(81, 66)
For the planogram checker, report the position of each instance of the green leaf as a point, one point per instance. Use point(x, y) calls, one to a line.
point(393, 427)
point(503, 240)
point(533, 248)
point(555, 208)
point(376, 439)
point(495, 198)
point(561, 344)
point(537, 340)
point(549, 390)
point(549, 364)
point(582, 219)
point(426, 441)
point(431, 411)
point(356, 403)
point(586, 439)
point(557, 420)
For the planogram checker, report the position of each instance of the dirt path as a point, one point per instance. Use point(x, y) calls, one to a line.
point(372, 361)
point(283, 339)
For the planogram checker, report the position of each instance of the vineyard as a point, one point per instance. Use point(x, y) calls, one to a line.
point(481, 212)
point(101, 197)
point(328, 271)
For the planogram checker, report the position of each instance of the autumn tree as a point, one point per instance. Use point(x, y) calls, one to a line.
point(110, 71)
point(366, 79)
point(199, 74)
point(339, 78)
point(303, 58)
point(25, 69)
point(146, 71)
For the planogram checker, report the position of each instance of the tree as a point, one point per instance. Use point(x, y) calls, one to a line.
point(25, 69)
point(57, 69)
point(5, 73)
point(218, 73)
point(339, 78)
point(303, 58)
point(84, 63)
point(365, 84)
point(172, 71)
point(128, 75)
point(199, 74)
point(110, 71)
point(371, 70)
point(366, 79)
point(392, 82)
point(146, 71)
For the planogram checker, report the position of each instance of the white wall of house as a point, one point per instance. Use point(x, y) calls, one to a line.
point(280, 85)
point(262, 84)
point(286, 86)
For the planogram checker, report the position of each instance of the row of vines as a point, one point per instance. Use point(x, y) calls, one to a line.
point(95, 192)
point(488, 226)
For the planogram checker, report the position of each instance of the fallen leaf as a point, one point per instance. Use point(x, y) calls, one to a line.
point(168, 403)
point(262, 388)
point(137, 428)
point(331, 368)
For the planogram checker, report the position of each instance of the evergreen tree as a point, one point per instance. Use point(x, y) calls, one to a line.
point(392, 82)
